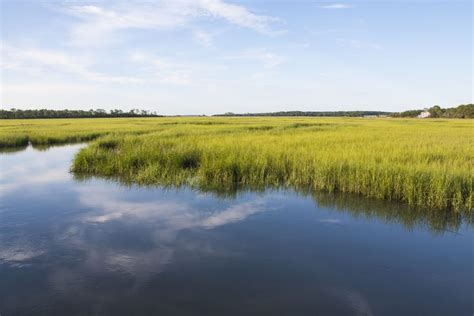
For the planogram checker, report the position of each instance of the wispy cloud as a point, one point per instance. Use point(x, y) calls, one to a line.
point(31, 60)
point(146, 67)
point(336, 6)
point(167, 70)
point(238, 15)
point(140, 67)
point(98, 22)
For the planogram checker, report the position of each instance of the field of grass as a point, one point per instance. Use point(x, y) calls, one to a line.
point(14, 133)
point(425, 163)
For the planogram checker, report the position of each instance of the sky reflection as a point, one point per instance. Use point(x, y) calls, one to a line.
point(98, 247)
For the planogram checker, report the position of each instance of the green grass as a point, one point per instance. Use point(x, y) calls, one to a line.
point(425, 163)
point(15, 133)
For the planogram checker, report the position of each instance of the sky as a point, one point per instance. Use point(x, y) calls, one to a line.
point(215, 56)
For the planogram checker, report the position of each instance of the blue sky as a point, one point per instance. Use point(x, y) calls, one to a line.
point(215, 56)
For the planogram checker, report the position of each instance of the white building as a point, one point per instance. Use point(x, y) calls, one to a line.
point(424, 114)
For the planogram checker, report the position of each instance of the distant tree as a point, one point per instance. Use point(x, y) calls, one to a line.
point(461, 111)
point(436, 111)
point(45, 113)
point(300, 113)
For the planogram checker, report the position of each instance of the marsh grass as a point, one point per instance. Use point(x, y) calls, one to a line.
point(424, 163)
point(15, 133)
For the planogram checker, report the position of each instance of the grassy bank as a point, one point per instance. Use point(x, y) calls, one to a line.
point(14, 133)
point(423, 163)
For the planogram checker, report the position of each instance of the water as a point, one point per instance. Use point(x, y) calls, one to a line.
point(96, 247)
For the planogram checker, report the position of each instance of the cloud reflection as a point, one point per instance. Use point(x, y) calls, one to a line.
point(28, 170)
point(17, 255)
point(100, 227)
point(171, 214)
point(157, 222)
point(234, 213)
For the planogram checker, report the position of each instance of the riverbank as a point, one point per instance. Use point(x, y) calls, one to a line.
point(423, 163)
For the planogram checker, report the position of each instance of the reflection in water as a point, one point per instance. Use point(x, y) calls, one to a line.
point(164, 219)
point(12, 150)
point(97, 247)
point(436, 221)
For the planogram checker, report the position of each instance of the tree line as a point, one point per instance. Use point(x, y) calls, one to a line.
point(45, 113)
point(461, 111)
point(312, 113)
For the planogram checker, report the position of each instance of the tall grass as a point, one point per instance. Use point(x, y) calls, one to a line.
point(14, 133)
point(427, 164)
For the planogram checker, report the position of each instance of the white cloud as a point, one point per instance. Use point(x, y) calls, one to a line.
point(171, 71)
point(336, 6)
point(151, 69)
point(98, 22)
point(34, 60)
point(164, 70)
point(238, 15)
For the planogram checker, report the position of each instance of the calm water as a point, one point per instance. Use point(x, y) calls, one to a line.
point(99, 248)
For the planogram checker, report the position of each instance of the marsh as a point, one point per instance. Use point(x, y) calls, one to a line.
point(100, 247)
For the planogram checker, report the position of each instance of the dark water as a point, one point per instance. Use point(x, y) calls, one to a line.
point(99, 248)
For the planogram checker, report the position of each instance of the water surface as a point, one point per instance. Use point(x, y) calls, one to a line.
point(96, 247)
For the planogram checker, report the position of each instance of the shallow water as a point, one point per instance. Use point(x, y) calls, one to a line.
point(96, 247)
